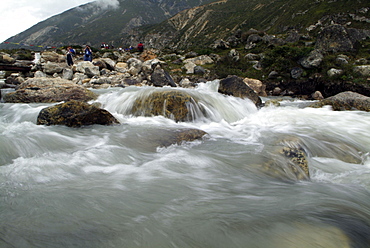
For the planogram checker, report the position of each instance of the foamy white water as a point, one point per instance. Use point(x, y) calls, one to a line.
point(114, 186)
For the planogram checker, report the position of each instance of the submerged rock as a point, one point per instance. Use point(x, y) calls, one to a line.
point(345, 101)
point(171, 104)
point(288, 161)
point(48, 90)
point(75, 114)
point(165, 138)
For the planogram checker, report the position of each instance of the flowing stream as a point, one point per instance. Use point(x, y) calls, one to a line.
point(114, 186)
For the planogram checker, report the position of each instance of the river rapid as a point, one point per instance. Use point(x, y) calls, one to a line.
point(114, 186)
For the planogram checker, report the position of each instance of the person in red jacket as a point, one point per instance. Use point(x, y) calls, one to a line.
point(140, 47)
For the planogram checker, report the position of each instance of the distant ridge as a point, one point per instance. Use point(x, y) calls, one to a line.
point(176, 24)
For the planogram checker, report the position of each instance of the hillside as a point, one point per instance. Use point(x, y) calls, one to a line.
point(93, 23)
point(200, 26)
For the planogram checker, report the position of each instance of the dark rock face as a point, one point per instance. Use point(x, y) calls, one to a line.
point(337, 38)
point(48, 90)
point(346, 101)
point(234, 86)
point(160, 78)
point(171, 104)
point(75, 114)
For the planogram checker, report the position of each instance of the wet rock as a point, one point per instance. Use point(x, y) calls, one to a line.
point(48, 90)
point(256, 85)
point(345, 101)
point(289, 160)
point(317, 95)
point(165, 138)
point(172, 104)
point(75, 114)
point(235, 86)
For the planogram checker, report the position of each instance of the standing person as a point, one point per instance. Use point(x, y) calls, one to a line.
point(87, 54)
point(140, 47)
point(70, 53)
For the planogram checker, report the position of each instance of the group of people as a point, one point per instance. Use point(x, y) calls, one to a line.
point(88, 53)
point(71, 52)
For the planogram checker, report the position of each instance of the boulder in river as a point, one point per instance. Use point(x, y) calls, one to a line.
point(165, 138)
point(347, 100)
point(171, 104)
point(75, 114)
point(36, 90)
point(234, 86)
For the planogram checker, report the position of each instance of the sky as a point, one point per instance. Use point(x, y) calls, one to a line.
point(18, 15)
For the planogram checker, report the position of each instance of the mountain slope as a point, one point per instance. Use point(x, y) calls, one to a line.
point(202, 25)
point(94, 23)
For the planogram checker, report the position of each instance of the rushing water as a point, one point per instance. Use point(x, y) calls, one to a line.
point(114, 186)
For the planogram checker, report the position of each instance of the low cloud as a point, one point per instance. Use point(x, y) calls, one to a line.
point(107, 4)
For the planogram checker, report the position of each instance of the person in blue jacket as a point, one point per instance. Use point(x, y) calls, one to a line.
point(87, 54)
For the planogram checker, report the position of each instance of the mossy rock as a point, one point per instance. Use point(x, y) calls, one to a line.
point(345, 101)
point(75, 114)
point(172, 104)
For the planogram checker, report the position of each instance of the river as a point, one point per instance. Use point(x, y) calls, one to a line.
point(114, 186)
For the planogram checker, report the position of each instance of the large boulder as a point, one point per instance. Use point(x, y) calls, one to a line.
point(52, 67)
point(48, 90)
point(235, 86)
point(160, 78)
point(337, 38)
point(88, 68)
point(256, 85)
point(171, 104)
point(345, 101)
point(75, 114)
point(6, 59)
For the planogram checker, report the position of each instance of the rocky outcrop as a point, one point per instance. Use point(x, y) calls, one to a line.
point(345, 101)
point(48, 90)
point(234, 86)
point(172, 104)
point(75, 114)
point(337, 38)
